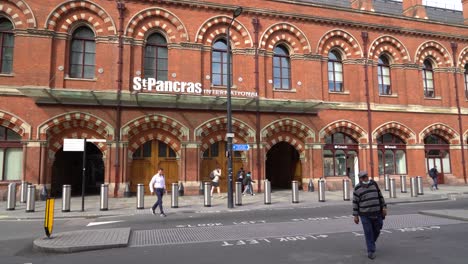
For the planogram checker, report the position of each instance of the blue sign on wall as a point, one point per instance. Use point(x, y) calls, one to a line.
point(240, 147)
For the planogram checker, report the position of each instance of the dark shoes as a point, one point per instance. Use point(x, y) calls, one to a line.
point(163, 215)
point(371, 255)
point(152, 211)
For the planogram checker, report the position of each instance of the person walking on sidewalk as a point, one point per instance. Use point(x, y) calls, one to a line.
point(158, 184)
point(369, 205)
point(215, 181)
point(248, 184)
point(433, 173)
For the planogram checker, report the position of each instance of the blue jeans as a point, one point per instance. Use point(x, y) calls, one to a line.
point(372, 226)
point(159, 193)
point(435, 183)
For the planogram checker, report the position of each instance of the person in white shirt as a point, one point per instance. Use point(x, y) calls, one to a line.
point(215, 181)
point(158, 184)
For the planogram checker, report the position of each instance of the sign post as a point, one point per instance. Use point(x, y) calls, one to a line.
point(49, 216)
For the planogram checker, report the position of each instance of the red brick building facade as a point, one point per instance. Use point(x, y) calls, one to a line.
point(342, 86)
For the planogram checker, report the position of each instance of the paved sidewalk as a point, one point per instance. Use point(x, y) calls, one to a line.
point(66, 242)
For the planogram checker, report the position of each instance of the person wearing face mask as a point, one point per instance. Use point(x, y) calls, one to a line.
point(369, 205)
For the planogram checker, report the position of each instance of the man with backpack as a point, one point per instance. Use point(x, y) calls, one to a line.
point(433, 173)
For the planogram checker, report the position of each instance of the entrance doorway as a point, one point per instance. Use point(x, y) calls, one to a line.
point(437, 154)
point(283, 166)
point(68, 168)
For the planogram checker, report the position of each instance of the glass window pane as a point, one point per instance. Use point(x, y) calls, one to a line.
point(75, 71)
point(216, 79)
point(150, 52)
point(162, 53)
point(172, 153)
point(162, 64)
point(331, 77)
point(446, 162)
point(149, 63)
point(147, 149)
point(84, 32)
point(162, 149)
point(215, 149)
point(89, 58)
point(7, 66)
point(149, 73)
point(13, 164)
point(7, 53)
point(225, 79)
point(381, 163)
point(216, 68)
point(88, 72)
point(328, 140)
point(77, 45)
point(338, 67)
point(162, 75)
point(340, 163)
point(285, 84)
point(338, 138)
point(328, 163)
point(276, 72)
point(90, 46)
point(12, 135)
point(77, 58)
point(338, 77)
point(277, 83)
point(386, 80)
point(400, 160)
point(389, 164)
point(285, 74)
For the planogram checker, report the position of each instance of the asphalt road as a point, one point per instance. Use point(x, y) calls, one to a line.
point(323, 234)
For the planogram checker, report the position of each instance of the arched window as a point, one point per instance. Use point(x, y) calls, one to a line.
point(82, 53)
point(392, 154)
point(156, 57)
point(428, 79)
point(11, 155)
point(340, 155)
point(466, 81)
point(281, 68)
point(335, 72)
point(219, 64)
point(6, 46)
point(383, 72)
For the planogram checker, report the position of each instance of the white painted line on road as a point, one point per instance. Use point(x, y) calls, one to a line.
point(103, 223)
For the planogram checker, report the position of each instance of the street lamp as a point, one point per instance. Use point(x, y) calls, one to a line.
point(229, 134)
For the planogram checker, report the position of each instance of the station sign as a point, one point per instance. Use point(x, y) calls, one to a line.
point(240, 147)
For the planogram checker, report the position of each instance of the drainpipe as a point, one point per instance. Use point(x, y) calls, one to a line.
point(457, 98)
point(365, 39)
point(256, 25)
point(121, 8)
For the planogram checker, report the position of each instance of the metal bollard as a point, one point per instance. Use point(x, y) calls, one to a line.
point(403, 183)
point(140, 196)
point(386, 182)
point(295, 192)
point(414, 187)
point(321, 190)
point(346, 192)
point(207, 194)
point(31, 200)
point(11, 199)
point(104, 197)
point(66, 194)
point(419, 182)
point(24, 192)
point(238, 193)
point(175, 195)
point(267, 193)
point(392, 190)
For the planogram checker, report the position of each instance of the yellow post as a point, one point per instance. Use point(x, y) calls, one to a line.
point(49, 216)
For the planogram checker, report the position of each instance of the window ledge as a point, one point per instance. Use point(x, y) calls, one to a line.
point(388, 95)
point(7, 75)
point(80, 79)
point(433, 98)
point(341, 93)
point(285, 90)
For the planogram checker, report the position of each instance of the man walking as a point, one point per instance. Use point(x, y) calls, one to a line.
point(433, 173)
point(158, 183)
point(369, 205)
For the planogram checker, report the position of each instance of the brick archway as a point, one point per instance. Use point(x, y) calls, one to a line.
point(216, 26)
point(67, 13)
point(291, 126)
point(16, 124)
point(56, 141)
point(435, 50)
point(19, 12)
point(342, 39)
point(463, 58)
point(288, 33)
point(155, 17)
point(390, 45)
point(344, 126)
point(442, 130)
point(395, 128)
point(294, 141)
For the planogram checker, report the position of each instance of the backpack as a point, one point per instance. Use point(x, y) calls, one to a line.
point(212, 176)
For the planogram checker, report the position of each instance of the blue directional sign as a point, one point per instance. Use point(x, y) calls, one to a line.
point(240, 147)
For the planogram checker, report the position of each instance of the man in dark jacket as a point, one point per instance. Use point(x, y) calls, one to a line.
point(433, 173)
point(369, 205)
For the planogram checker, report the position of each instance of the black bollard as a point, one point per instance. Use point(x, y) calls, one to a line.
point(181, 189)
point(201, 189)
point(310, 187)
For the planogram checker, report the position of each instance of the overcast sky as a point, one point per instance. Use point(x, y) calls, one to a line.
point(449, 4)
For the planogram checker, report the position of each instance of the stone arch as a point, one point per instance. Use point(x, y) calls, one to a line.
point(63, 122)
point(215, 26)
point(159, 127)
point(465, 137)
point(345, 126)
point(285, 32)
point(435, 50)
point(463, 58)
point(154, 17)
point(215, 129)
point(16, 124)
point(342, 39)
point(391, 45)
point(19, 12)
point(442, 130)
point(288, 125)
point(294, 141)
point(56, 142)
point(67, 13)
point(395, 128)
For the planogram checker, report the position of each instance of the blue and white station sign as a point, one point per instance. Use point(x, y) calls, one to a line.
point(240, 147)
